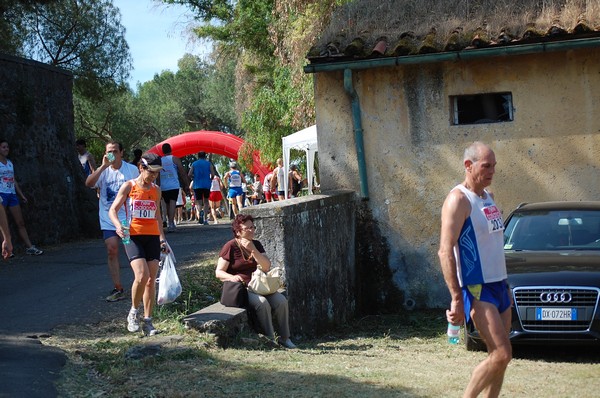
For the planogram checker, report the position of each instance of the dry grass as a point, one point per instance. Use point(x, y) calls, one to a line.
point(378, 356)
point(390, 18)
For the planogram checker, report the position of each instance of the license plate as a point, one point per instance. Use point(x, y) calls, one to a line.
point(556, 314)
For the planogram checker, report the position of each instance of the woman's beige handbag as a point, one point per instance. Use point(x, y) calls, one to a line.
point(265, 283)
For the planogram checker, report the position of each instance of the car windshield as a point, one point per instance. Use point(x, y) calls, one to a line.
point(553, 230)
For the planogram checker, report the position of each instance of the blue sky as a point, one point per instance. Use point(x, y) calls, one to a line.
point(156, 36)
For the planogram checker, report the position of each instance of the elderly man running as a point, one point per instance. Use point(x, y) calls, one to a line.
point(472, 258)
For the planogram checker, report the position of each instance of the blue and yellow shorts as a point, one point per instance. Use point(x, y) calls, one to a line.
point(495, 293)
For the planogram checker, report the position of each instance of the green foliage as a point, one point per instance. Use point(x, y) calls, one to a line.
point(266, 41)
point(245, 25)
point(270, 116)
point(83, 36)
point(207, 10)
point(196, 97)
point(219, 94)
point(12, 28)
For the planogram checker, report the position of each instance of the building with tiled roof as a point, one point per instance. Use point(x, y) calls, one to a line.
point(395, 110)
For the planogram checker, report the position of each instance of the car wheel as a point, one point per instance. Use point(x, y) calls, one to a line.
point(470, 343)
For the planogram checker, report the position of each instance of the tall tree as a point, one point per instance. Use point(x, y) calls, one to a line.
point(268, 41)
point(12, 30)
point(83, 36)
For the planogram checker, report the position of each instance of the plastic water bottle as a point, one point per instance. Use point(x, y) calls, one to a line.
point(453, 333)
point(126, 237)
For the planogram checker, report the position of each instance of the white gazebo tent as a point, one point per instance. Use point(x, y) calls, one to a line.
point(304, 140)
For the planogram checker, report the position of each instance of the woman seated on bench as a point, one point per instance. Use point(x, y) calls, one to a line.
point(238, 259)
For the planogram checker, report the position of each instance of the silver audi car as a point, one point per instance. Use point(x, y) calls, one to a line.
point(553, 259)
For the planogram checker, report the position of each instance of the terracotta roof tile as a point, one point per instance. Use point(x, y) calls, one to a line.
point(407, 43)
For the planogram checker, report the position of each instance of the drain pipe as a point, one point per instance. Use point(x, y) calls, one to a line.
point(358, 134)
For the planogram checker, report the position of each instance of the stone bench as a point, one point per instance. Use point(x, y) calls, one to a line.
point(224, 323)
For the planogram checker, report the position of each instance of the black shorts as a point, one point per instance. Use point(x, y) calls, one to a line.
point(201, 194)
point(143, 246)
point(171, 195)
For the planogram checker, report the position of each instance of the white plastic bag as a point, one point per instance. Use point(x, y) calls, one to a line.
point(169, 287)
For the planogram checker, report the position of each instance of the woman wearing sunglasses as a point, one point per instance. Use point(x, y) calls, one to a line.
point(142, 200)
point(238, 259)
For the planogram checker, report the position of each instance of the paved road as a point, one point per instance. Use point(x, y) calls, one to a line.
point(67, 285)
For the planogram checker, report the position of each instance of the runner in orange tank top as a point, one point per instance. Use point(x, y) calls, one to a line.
point(142, 200)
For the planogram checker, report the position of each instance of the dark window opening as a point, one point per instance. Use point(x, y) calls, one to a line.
point(482, 108)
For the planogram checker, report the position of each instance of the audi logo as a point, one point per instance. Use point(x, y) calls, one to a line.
point(556, 297)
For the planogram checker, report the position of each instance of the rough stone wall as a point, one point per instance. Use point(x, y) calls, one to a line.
point(414, 155)
point(36, 118)
point(312, 239)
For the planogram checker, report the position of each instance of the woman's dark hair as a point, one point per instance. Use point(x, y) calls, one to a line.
point(236, 225)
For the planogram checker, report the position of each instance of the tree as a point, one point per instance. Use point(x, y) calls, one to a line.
point(83, 36)
point(267, 40)
point(12, 31)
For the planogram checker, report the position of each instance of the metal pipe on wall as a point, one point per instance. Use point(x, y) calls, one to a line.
point(358, 134)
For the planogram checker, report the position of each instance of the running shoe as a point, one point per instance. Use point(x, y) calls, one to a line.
point(148, 327)
point(116, 295)
point(34, 251)
point(133, 325)
point(287, 343)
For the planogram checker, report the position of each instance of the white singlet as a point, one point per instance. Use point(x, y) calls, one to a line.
point(479, 251)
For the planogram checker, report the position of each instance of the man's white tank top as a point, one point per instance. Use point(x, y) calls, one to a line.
point(169, 179)
point(479, 251)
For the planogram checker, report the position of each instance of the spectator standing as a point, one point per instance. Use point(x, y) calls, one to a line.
point(9, 189)
point(278, 180)
point(234, 183)
point(85, 158)
point(267, 190)
point(108, 179)
point(472, 258)
point(172, 177)
point(147, 238)
point(295, 181)
point(257, 190)
point(202, 172)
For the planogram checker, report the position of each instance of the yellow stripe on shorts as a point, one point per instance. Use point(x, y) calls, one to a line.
point(475, 290)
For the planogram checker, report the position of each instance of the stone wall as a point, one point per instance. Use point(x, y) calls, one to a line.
point(36, 118)
point(313, 239)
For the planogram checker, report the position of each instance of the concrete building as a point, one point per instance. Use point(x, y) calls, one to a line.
point(535, 102)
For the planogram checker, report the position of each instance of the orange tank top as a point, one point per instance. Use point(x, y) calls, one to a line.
point(143, 207)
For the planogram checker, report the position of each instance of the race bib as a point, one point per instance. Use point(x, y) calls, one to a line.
point(7, 183)
point(494, 219)
point(143, 209)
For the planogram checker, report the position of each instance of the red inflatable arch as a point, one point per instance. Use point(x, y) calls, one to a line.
point(211, 142)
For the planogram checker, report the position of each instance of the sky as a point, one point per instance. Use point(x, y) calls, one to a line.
point(156, 37)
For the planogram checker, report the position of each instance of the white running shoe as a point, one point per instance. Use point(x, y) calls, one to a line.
point(133, 325)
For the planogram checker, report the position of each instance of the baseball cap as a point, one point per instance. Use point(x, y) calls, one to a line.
point(151, 161)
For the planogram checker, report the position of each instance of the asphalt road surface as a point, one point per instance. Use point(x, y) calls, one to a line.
point(67, 285)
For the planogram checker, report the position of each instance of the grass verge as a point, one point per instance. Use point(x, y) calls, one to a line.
point(404, 355)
